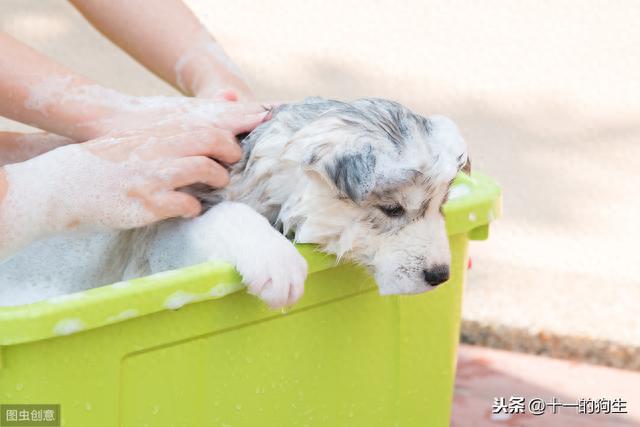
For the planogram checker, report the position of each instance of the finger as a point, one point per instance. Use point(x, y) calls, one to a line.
point(228, 95)
point(244, 123)
point(240, 108)
point(171, 204)
point(197, 169)
point(220, 144)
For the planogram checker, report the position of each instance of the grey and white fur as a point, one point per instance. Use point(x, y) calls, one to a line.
point(365, 180)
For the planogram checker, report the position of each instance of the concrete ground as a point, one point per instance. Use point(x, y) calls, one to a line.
point(486, 374)
point(545, 92)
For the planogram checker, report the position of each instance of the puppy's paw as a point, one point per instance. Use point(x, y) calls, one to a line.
point(274, 271)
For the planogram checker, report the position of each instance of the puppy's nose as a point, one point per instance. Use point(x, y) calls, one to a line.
point(436, 275)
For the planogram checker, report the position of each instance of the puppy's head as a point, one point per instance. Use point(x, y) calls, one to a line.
point(379, 175)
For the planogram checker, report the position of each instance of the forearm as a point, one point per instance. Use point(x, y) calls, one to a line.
point(167, 38)
point(17, 147)
point(38, 91)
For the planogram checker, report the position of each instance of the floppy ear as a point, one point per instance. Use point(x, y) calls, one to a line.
point(350, 169)
point(353, 173)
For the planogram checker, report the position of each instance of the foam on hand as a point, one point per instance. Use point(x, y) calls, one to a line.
point(52, 193)
point(113, 112)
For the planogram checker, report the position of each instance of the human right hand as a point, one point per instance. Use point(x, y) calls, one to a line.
point(131, 181)
point(123, 114)
point(111, 182)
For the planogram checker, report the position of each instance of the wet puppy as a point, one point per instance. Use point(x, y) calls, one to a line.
point(365, 180)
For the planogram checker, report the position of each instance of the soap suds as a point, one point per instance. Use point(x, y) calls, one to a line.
point(61, 175)
point(126, 314)
point(58, 282)
point(223, 289)
point(205, 49)
point(121, 285)
point(60, 299)
point(458, 191)
point(169, 274)
point(178, 299)
point(3, 187)
point(68, 326)
point(46, 92)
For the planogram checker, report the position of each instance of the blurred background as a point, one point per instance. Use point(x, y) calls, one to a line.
point(547, 95)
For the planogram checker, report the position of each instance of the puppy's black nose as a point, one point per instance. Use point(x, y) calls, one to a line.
point(436, 275)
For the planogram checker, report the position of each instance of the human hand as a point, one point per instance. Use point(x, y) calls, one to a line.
point(127, 177)
point(120, 183)
point(108, 112)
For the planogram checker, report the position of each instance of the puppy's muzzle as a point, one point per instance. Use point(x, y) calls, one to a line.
point(436, 275)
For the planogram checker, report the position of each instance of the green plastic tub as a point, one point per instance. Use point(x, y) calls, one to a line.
point(190, 348)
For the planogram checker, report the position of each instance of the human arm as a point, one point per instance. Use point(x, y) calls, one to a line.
point(34, 88)
point(167, 38)
point(40, 92)
point(17, 147)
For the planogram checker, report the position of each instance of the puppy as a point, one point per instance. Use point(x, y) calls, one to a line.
point(364, 180)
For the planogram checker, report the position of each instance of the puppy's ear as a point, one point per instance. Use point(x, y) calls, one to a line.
point(352, 172)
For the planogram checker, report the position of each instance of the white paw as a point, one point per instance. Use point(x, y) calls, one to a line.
point(274, 270)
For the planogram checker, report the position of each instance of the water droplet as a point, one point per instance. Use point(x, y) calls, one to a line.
point(19, 387)
point(238, 406)
point(87, 406)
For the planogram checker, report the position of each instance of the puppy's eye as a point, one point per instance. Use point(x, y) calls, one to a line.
point(393, 211)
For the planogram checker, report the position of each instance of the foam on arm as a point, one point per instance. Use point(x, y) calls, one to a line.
point(167, 38)
point(30, 84)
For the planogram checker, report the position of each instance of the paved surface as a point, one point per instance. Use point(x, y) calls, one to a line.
point(545, 93)
point(485, 374)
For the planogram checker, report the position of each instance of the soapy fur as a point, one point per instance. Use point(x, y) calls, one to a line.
point(365, 180)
